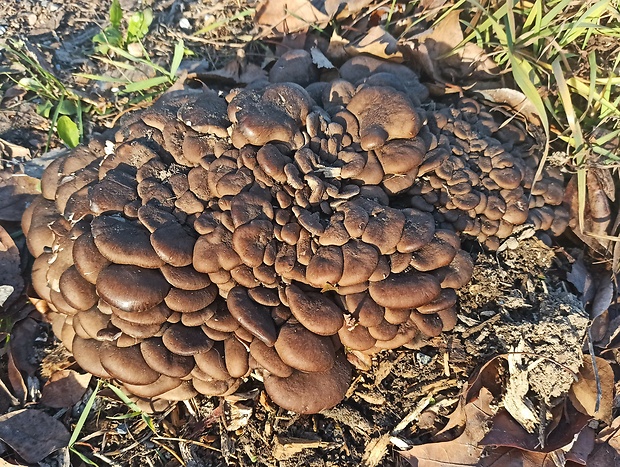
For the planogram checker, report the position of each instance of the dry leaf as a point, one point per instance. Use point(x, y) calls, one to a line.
point(33, 434)
point(11, 282)
point(65, 388)
point(602, 299)
point(345, 8)
point(582, 447)
point(436, 52)
point(235, 72)
point(462, 451)
point(289, 16)
point(22, 345)
point(516, 401)
point(319, 59)
point(581, 278)
point(13, 151)
point(511, 457)
point(583, 393)
point(376, 42)
point(16, 192)
point(515, 100)
point(607, 449)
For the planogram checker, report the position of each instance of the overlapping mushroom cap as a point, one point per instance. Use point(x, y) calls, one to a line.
point(274, 230)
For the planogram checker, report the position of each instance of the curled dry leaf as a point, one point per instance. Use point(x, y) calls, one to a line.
point(65, 388)
point(514, 100)
point(465, 449)
point(32, 434)
point(597, 212)
point(377, 42)
point(580, 277)
point(11, 281)
point(584, 392)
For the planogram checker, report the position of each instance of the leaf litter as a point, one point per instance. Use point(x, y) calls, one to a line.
point(518, 319)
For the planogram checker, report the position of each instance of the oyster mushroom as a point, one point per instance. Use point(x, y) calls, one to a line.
point(276, 229)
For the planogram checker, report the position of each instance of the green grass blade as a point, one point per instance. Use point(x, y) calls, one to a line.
point(84, 415)
point(146, 84)
point(107, 79)
point(132, 406)
point(83, 457)
point(179, 52)
point(577, 137)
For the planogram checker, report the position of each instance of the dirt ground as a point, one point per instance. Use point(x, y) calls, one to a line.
point(519, 300)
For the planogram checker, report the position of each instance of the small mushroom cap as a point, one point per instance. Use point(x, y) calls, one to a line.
point(163, 384)
point(236, 357)
point(87, 356)
point(251, 315)
point(384, 114)
point(159, 358)
point(314, 311)
point(325, 267)
point(126, 364)
point(185, 341)
point(124, 242)
point(186, 278)
point(77, 291)
point(191, 300)
point(212, 363)
point(307, 393)
point(407, 290)
point(268, 358)
point(87, 259)
point(131, 288)
point(304, 350)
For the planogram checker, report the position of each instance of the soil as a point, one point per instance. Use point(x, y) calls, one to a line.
point(516, 301)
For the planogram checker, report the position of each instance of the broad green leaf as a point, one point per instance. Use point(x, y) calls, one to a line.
point(67, 107)
point(116, 14)
point(68, 131)
point(138, 25)
point(45, 108)
point(146, 84)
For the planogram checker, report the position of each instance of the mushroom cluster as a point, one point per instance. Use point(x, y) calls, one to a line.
point(275, 228)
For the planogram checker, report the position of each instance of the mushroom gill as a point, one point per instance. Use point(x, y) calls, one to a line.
point(276, 229)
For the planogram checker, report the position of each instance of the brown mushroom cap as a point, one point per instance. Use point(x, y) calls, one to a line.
point(311, 392)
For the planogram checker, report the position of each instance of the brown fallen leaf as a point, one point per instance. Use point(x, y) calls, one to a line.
point(507, 432)
point(11, 282)
point(289, 16)
point(16, 192)
point(512, 457)
point(464, 450)
point(22, 345)
point(32, 434)
point(581, 278)
point(437, 51)
point(65, 388)
point(377, 42)
point(606, 451)
point(584, 393)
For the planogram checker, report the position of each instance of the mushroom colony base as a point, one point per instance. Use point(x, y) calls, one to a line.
point(275, 228)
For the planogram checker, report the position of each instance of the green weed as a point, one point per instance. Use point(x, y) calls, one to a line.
point(58, 102)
